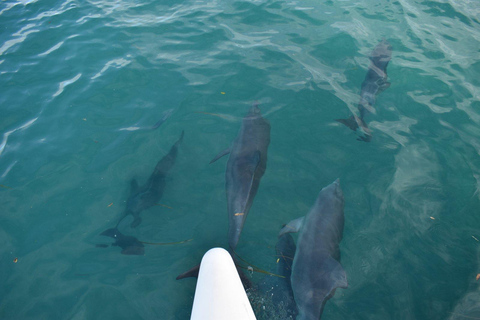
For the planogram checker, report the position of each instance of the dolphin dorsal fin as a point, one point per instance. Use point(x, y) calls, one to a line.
point(221, 154)
point(292, 226)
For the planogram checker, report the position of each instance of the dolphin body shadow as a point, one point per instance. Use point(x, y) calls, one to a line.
point(316, 270)
point(142, 198)
point(375, 82)
point(130, 245)
point(245, 167)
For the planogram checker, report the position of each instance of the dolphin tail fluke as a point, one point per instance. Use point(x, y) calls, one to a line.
point(192, 273)
point(350, 122)
point(136, 222)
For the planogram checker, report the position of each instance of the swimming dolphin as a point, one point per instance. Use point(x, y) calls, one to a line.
point(142, 198)
point(316, 270)
point(277, 290)
point(374, 83)
point(245, 167)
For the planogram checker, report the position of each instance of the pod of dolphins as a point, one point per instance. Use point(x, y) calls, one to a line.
point(309, 272)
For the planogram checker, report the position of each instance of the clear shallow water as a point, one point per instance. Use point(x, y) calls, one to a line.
point(74, 74)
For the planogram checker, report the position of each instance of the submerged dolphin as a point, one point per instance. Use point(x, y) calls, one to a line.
point(245, 167)
point(316, 270)
point(142, 198)
point(277, 290)
point(374, 83)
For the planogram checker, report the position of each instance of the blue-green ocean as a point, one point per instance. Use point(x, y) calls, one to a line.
point(83, 83)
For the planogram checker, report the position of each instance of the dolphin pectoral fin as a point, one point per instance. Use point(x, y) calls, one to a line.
point(221, 154)
point(367, 133)
point(365, 138)
point(133, 186)
point(190, 273)
point(350, 122)
point(337, 276)
point(292, 226)
point(385, 86)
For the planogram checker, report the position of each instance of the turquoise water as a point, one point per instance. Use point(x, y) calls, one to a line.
point(75, 73)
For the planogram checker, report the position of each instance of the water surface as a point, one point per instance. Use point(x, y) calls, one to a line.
point(75, 73)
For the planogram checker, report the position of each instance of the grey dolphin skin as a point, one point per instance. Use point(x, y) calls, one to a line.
point(278, 290)
point(316, 270)
point(142, 198)
point(374, 83)
point(245, 167)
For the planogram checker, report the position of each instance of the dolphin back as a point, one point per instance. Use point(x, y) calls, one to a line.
point(245, 167)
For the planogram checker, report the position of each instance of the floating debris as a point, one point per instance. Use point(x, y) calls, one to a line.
point(222, 92)
point(478, 277)
point(162, 205)
point(6, 187)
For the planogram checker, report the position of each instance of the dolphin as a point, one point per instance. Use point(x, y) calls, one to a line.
point(245, 167)
point(142, 198)
point(316, 270)
point(375, 82)
point(277, 290)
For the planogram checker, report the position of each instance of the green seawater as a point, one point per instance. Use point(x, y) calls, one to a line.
point(73, 74)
